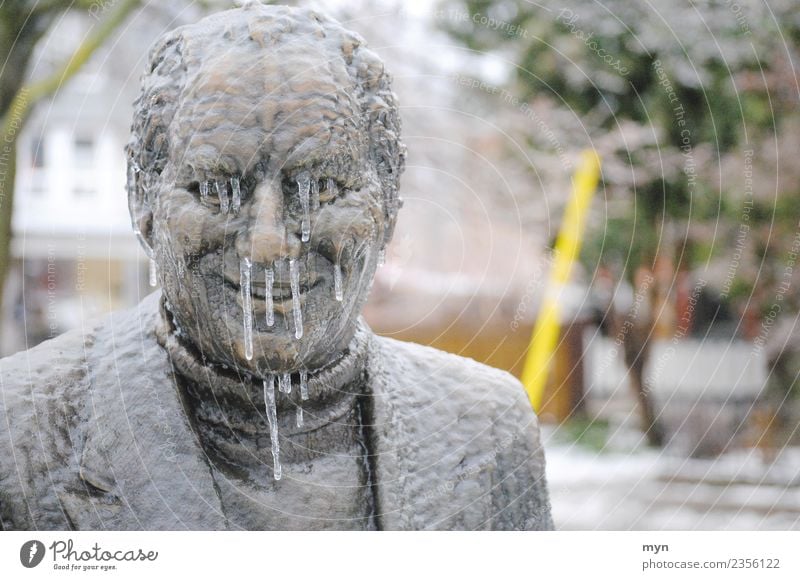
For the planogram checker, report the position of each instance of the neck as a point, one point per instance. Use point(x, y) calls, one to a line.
point(235, 398)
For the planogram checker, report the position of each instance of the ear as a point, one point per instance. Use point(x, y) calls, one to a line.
point(390, 215)
point(140, 208)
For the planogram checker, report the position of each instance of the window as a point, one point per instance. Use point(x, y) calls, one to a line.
point(84, 153)
point(37, 153)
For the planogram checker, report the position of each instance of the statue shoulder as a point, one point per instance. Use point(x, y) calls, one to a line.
point(48, 370)
point(471, 423)
point(442, 374)
point(41, 393)
point(46, 399)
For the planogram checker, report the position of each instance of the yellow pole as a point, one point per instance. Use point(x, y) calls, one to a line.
point(568, 246)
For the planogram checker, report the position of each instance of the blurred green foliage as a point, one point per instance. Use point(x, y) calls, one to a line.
point(709, 77)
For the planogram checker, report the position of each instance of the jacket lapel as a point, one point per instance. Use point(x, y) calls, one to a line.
point(142, 465)
point(429, 475)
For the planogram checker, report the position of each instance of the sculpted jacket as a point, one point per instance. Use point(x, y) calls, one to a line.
point(84, 419)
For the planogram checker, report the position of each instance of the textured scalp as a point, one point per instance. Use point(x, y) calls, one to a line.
point(275, 59)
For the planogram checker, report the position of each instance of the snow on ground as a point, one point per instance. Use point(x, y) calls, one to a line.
point(647, 490)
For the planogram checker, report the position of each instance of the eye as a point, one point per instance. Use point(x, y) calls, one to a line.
point(324, 190)
point(225, 194)
point(328, 190)
point(291, 193)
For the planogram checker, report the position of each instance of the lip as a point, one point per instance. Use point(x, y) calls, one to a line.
point(281, 293)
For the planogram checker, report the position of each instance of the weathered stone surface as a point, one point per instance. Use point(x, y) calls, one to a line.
point(159, 417)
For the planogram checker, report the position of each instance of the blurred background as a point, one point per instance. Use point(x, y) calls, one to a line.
point(671, 400)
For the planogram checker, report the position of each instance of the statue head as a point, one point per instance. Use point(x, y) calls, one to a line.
point(265, 146)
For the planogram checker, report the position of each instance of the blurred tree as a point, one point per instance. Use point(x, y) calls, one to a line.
point(667, 92)
point(23, 23)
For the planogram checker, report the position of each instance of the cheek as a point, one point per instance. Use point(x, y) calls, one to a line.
point(357, 217)
point(186, 224)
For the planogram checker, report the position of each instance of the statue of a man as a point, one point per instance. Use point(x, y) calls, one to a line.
point(248, 393)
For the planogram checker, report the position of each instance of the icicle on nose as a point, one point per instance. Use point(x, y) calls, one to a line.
point(222, 194)
point(303, 187)
point(245, 270)
point(298, 420)
point(236, 194)
point(272, 419)
point(285, 383)
point(381, 257)
point(337, 281)
point(204, 191)
point(269, 276)
point(153, 273)
point(294, 280)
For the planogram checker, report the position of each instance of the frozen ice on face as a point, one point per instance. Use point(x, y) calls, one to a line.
point(285, 383)
point(236, 195)
point(245, 272)
point(222, 193)
point(272, 420)
point(294, 279)
point(153, 273)
point(337, 282)
point(303, 188)
point(304, 385)
point(269, 278)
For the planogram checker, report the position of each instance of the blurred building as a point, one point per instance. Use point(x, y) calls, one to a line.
point(468, 263)
point(74, 255)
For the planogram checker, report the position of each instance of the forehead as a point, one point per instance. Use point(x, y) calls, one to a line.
point(288, 103)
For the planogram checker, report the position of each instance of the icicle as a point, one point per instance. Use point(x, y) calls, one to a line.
point(314, 195)
point(337, 282)
point(245, 268)
point(304, 385)
point(272, 419)
point(269, 275)
point(222, 194)
point(153, 273)
point(303, 186)
point(204, 191)
point(294, 280)
point(381, 257)
point(285, 383)
point(333, 190)
point(236, 195)
point(303, 396)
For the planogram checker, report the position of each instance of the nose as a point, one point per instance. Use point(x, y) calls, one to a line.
point(264, 238)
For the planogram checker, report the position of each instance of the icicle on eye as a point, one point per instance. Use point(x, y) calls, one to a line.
point(328, 190)
point(221, 189)
point(245, 271)
point(315, 189)
point(304, 385)
point(285, 383)
point(272, 420)
point(236, 194)
point(303, 189)
point(337, 281)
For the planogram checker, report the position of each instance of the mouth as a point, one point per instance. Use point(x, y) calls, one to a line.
point(281, 289)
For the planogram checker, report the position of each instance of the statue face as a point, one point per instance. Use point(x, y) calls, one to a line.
point(231, 200)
